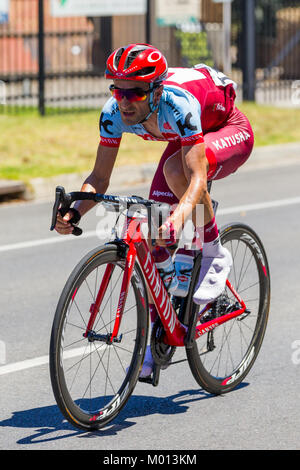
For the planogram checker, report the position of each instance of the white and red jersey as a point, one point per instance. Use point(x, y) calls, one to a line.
point(194, 101)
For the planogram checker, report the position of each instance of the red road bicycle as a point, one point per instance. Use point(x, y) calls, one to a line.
point(100, 328)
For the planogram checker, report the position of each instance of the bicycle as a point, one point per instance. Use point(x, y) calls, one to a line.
point(100, 328)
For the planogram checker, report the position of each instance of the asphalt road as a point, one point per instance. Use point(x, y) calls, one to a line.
point(263, 413)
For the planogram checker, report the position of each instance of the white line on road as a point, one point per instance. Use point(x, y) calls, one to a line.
point(39, 361)
point(45, 241)
point(260, 206)
point(93, 233)
point(17, 366)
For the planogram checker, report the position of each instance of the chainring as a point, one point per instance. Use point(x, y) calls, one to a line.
point(162, 353)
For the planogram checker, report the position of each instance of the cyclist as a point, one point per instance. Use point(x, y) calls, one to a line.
point(193, 109)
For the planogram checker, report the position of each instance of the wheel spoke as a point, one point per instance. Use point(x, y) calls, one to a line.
point(92, 372)
point(221, 358)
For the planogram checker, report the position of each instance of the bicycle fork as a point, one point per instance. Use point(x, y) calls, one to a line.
point(109, 338)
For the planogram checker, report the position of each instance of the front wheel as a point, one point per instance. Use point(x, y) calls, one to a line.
point(92, 378)
point(221, 358)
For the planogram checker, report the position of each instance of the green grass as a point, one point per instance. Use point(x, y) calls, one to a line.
point(32, 146)
point(273, 125)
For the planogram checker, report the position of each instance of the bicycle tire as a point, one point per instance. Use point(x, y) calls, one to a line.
point(206, 361)
point(91, 398)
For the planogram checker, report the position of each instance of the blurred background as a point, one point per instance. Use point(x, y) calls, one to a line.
point(52, 61)
point(53, 52)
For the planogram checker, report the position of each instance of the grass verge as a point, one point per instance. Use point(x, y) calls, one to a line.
point(31, 146)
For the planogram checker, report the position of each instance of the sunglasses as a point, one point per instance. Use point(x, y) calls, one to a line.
point(131, 94)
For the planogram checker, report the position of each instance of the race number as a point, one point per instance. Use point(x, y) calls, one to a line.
point(181, 76)
point(219, 78)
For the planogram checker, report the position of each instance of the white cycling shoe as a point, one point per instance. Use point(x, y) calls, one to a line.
point(148, 364)
point(212, 279)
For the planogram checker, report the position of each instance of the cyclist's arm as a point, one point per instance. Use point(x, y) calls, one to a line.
point(96, 182)
point(195, 168)
point(187, 123)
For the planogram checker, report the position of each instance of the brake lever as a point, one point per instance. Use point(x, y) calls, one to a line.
point(59, 197)
point(62, 204)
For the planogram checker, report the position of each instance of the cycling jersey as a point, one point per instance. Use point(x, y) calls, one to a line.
point(194, 101)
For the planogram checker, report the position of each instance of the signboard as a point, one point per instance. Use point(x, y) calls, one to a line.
point(62, 8)
point(4, 10)
point(172, 12)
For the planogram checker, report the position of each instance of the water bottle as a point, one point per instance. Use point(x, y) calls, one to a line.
point(184, 263)
point(165, 268)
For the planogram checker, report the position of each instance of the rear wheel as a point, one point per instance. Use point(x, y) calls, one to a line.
point(221, 358)
point(92, 378)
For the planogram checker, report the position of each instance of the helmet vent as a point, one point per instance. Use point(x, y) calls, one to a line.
point(132, 55)
point(118, 57)
point(142, 72)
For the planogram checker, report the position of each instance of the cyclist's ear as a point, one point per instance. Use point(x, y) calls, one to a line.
point(157, 93)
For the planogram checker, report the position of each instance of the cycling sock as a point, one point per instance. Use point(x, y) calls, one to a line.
point(210, 231)
point(212, 249)
point(215, 266)
point(211, 246)
point(147, 364)
point(206, 234)
point(148, 360)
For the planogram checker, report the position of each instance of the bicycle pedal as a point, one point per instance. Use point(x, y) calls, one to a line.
point(147, 380)
point(155, 377)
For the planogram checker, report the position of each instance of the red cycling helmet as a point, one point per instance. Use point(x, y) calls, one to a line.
point(141, 62)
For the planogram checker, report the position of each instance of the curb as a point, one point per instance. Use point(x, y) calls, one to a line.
point(126, 176)
point(8, 187)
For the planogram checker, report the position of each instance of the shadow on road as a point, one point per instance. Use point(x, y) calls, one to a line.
point(50, 425)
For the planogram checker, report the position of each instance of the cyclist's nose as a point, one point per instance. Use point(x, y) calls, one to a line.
point(125, 100)
point(125, 103)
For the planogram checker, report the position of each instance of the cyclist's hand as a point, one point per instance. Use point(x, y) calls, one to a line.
point(63, 224)
point(166, 234)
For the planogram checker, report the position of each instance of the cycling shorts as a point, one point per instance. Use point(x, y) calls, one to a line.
point(226, 150)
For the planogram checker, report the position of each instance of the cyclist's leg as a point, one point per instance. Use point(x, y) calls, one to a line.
point(171, 179)
point(226, 150)
point(229, 147)
point(161, 192)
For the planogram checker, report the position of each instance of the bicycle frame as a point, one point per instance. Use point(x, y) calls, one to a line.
point(175, 331)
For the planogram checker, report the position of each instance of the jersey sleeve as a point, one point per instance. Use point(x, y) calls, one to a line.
point(185, 118)
point(109, 125)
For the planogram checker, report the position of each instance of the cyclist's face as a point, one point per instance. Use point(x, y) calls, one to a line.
point(132, 112)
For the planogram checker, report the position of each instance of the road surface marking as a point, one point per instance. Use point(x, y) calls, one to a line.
point(92, 233)
point(40, 361)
